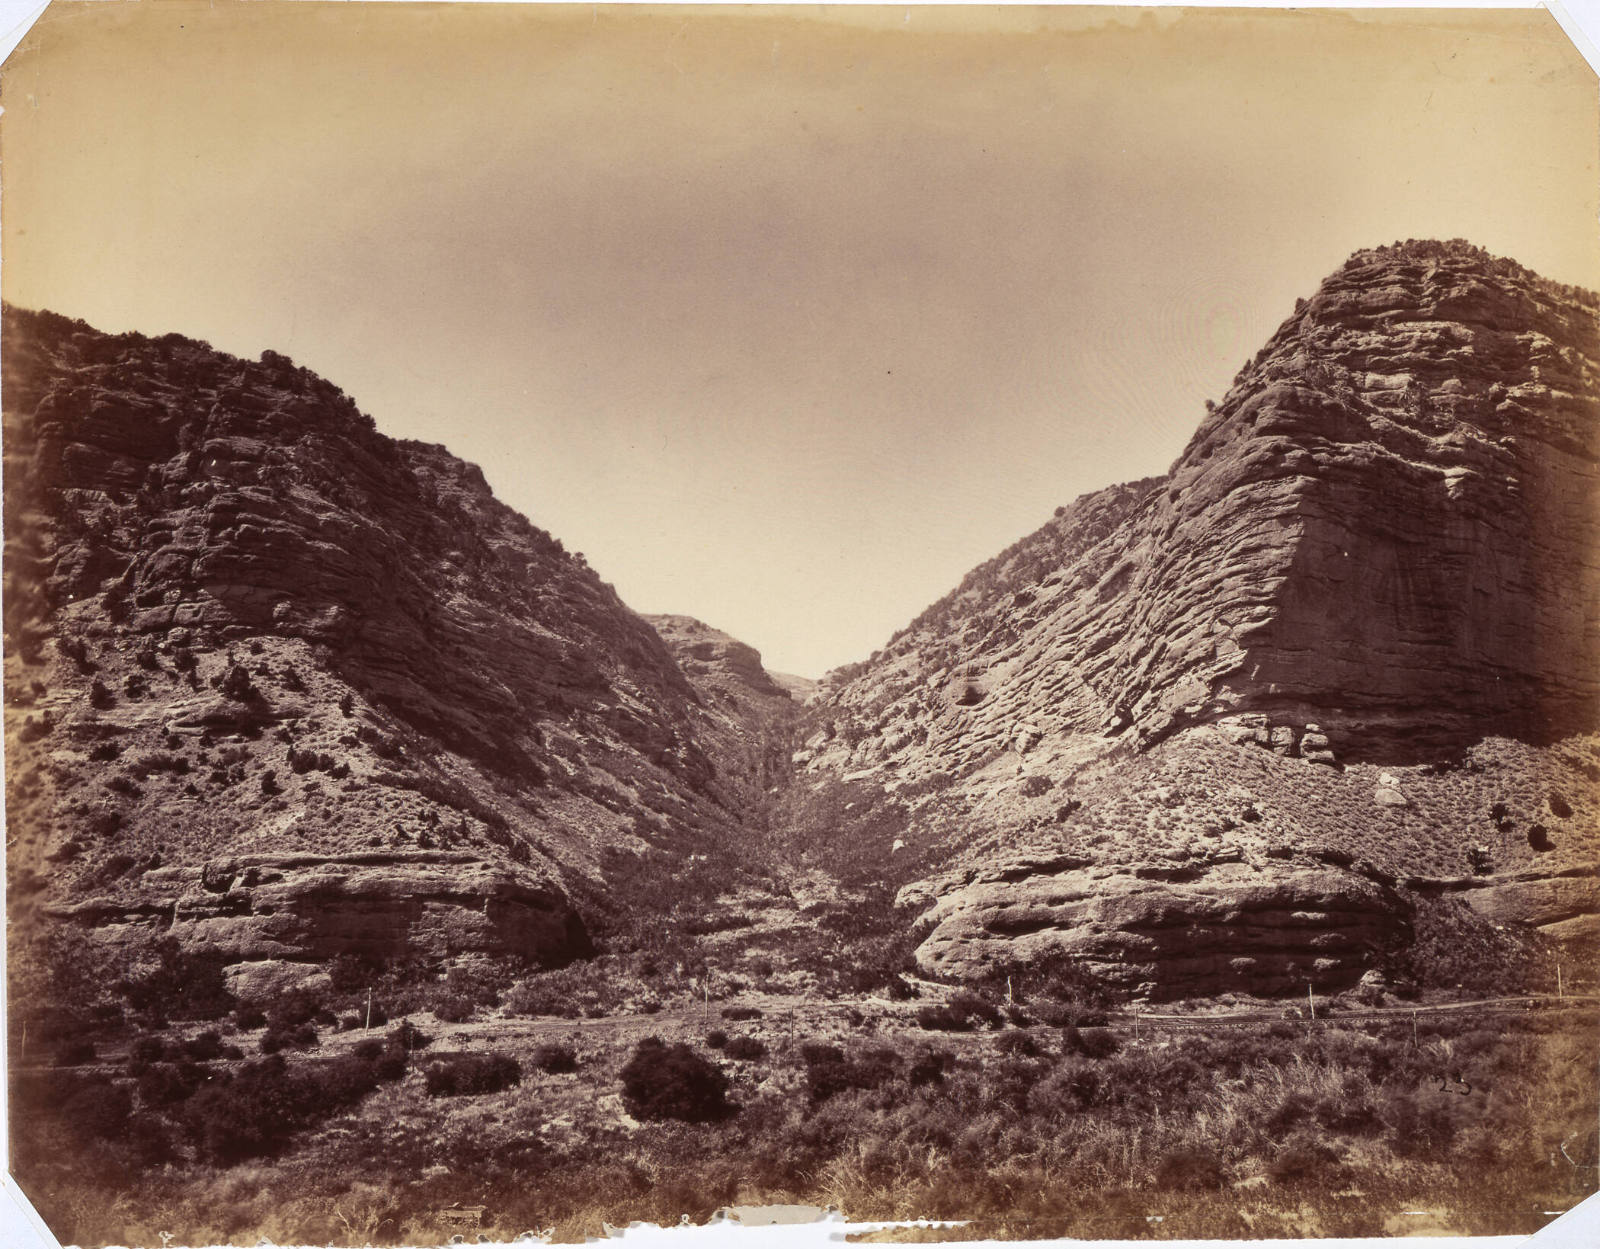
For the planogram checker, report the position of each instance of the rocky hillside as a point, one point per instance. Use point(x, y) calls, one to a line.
point(1318, 705)
point(1203, 730)
point(285, 687)
point(750, 713)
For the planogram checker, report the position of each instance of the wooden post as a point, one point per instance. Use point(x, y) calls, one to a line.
point(368, 1028)
point(1560, 992)
point(1414, 1042)
point(1311, 1002)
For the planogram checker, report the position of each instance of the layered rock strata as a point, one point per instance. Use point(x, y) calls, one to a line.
point(1387, 528)
point(1196, 930)
point(241, 624)
point(1379, 549)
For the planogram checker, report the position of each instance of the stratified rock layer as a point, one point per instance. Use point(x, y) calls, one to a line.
point(242, 625)
point(1387, 528)
point(1198, 929)
point(1381, 548)
point(375, 906)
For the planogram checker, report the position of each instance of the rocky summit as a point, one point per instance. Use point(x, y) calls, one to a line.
point(1317, 706)
point(1233, 725)
point(284, 688)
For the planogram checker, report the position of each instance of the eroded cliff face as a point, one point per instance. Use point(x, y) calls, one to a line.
point(749, 717)
point(286, 689)
point(1387, 528)
point(240, 622)
point(1377, 553)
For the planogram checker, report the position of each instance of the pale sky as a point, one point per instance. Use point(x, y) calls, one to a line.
point(784, 318)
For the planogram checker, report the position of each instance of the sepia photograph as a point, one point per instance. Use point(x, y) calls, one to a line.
point(960, 623)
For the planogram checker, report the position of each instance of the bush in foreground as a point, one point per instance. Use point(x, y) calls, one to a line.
point(664, 1081)
point(457, 1075)
point(556, 1059)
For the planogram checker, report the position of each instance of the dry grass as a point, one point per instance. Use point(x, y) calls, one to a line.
point(1272, 1130)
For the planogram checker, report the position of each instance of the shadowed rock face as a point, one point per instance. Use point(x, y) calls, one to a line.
point(240, 622)
point(748, 716)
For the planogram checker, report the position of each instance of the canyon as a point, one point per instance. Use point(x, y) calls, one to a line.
point(1320, 697)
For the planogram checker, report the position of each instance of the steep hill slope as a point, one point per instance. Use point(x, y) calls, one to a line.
point(749, 712)
point(1188, 709)
point(284, 687)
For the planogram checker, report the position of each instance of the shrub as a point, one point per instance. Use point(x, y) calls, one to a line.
point(1301, 1159)
point(1092, 1042)
point(166, 1084)
point(249, 1018)
point(254, 1113)
point(543, 995)
point(741, 1013)
point(146, 1050)
point(100, 1111)
point(1416, 1130)
point(662, 1081)
point(746, 1049)
point(1017, 1045)
point(182, 985)
point(297, 1007)
point(236, 684)
point(75, 1053)
point(964, 1012)
point(460, 1074)
point(930, 1066)
point(277, 1038)
point(454, 1007)
point(407, 1037)
point(716, 1038)
point(203, 1048)
point(1189, 1168)
point(555, 1059)
point(828, 1072)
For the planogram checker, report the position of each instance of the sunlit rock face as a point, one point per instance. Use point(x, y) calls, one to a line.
point(1377, 550)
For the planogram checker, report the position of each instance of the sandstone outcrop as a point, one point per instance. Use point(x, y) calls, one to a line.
point(312, 908)
point(1198, 929)
point(748, 715)
point(1375, 558)
point(1386, 529)
point(242, 625)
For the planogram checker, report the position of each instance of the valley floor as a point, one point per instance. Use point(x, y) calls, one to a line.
point(1028, 1118)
